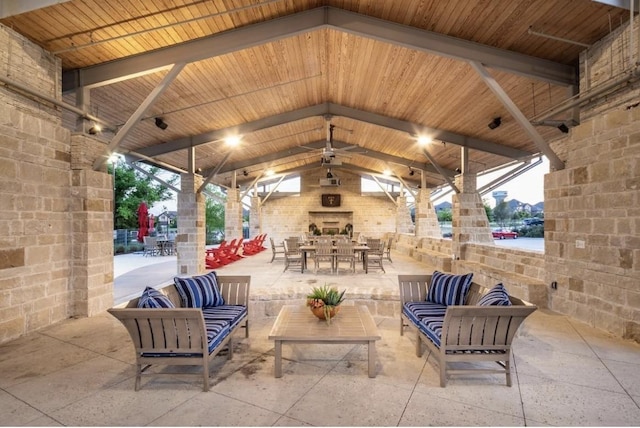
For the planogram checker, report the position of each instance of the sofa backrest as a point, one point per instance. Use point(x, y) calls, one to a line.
point(234, 290)
point(415, 287)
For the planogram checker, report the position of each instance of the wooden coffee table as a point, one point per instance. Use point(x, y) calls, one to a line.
point(353, 324)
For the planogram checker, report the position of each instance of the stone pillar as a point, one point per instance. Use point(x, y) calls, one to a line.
point(255, 217)
point(470, 223)
point(403, 216)
point(233, 215)
point(426, 218)
point(92, 228)
point(190, 240)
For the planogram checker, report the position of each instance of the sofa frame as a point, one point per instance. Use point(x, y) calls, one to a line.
point(178, 336)
point(470, 333)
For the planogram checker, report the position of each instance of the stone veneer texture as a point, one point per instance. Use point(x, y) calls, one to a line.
point(592, 207)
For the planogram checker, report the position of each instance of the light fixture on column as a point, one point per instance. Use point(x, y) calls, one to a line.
point(411, 171)
point(160, 123)
point(495, 123)
point(95, 129)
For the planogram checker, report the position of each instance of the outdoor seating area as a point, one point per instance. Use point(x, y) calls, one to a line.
point(91, 364)
point(233, 251)
point(158, 246)
point(327, 252)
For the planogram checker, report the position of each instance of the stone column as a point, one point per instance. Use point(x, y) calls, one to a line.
point(190, 240)
point(403, 216)
point(92, 228)
point(470, 223)
point(426, 218)
point(233, 215)
point(255, 217)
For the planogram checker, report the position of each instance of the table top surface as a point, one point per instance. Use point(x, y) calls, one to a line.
point(352, 323)
point(313, 247)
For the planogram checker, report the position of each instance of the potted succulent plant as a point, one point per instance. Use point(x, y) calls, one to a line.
point(325, 301)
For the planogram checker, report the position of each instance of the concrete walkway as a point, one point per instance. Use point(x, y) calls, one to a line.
point(81, 372)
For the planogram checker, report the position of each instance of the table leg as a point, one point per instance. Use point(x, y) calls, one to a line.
point(278, 364)
point(372, 358)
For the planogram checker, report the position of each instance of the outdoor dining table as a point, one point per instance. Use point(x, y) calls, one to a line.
point(363, 249)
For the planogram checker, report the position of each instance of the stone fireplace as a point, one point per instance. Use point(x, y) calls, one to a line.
point(331, 222)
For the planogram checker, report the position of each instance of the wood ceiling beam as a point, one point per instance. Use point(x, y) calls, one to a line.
point(336, 110)
point(451, 47)
point(318, 145)
point(436, 134)
point(312, 20)
point(242, 129)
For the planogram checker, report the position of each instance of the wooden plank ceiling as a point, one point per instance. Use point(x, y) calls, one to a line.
point(274, 72)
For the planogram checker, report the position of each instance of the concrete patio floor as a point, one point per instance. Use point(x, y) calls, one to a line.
point(80, 372)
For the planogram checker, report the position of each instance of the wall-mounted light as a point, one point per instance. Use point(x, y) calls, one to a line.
point(411, 171)
point(497, 121)
point(95, 129)
point(245, 173)
point(160, 123)
point(329, 175)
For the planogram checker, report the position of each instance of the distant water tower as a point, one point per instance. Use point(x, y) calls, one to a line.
point(499, 196)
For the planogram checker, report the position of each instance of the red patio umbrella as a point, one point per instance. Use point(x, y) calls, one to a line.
point(143, 221)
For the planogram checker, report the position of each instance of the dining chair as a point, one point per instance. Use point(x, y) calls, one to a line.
point(277, 250)
point(323, 253)
point(387, 249)
point(292, 253)
point(150, 246)
point(375, 255)
point(345, 253)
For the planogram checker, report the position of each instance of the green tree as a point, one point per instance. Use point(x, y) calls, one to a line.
point(444, 215)
point(488, 210)
point(501, 213)
point(214, 217)
point(132, 188)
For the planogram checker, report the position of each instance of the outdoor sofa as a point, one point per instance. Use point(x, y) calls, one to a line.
point(186, 323)
point(461, 321)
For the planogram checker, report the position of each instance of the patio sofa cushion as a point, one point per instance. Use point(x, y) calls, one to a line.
point(153, 299)
point(428, 317)
point(217, 331)
point(233, 314)
point(497, 296)
point(448, 289)
point(199, 291)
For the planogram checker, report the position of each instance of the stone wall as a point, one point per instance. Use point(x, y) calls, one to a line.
point(56, 216)
point(592, 207)
point(290, 216)
point(35, 190)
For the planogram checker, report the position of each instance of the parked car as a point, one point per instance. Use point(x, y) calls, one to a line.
point(533, 221)
point(504, 234)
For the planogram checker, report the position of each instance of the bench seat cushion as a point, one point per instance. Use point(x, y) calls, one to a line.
point(217, 330)
point(233, 314)
point(427, 317)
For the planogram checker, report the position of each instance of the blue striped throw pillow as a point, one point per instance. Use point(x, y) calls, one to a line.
point(497, 296)
point(199, 291)
point(448, 289)
point(153, 299)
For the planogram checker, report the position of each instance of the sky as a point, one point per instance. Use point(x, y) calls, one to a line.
point(527, 187)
